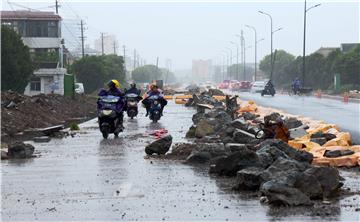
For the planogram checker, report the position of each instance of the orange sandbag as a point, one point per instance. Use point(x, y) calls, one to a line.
point(322, 128)
point(183, 97)
point(342, 139)
point(181, 101)
point(168, 97)
point(250, 106)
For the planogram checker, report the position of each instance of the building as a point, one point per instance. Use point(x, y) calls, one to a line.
point(201, 70)
point(347, 47)
point(325, 51)
point(41, 32)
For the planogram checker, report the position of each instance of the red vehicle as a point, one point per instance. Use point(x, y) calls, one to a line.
point(224, 85)
point(245, 86)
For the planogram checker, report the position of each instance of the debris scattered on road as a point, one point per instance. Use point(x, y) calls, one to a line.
point(160, 146)
point(20, 150)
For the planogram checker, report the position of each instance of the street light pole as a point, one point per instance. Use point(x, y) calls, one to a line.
point(237, 59)
point(253, 28)
point(304, 66)
point(230, 60)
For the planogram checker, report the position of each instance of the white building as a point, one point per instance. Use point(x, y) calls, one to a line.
point(41, 32)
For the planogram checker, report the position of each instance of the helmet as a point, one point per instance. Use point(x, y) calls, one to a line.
point(133, 85)
point(114, 83)
point(153, 86)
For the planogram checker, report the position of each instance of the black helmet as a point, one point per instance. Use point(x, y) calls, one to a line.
point(133, 85)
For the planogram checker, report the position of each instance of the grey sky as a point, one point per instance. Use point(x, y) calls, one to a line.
point(186, 31)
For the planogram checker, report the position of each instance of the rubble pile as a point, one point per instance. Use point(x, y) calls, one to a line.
point(19, 112)
point(283, 173)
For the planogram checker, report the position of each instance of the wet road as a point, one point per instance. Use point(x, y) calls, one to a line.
point(88, 178)
point(345, 115)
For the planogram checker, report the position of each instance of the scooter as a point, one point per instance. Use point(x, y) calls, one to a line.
point(155, 108)
point(268, 90)
point(110, 121)
point(132, 104)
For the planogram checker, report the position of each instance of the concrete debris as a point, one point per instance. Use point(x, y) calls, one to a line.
point(19, 150)
point(160, 146)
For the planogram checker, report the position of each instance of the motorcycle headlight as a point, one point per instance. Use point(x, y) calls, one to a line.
point(106, 112)
point(132, 103)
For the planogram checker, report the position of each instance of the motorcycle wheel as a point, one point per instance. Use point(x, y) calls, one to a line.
point(105, 135)
point(116, 134)
point(262, 93)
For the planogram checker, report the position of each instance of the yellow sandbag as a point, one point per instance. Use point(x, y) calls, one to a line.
point(342, 139)
point(295, 144)
point(311, 145)
point(180, 101)
point(219, 98)
point(168, 97)
point(183, 97)
point(322, 128)
point(250, 106)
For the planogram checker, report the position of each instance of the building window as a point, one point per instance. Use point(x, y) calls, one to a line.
point(35, 84)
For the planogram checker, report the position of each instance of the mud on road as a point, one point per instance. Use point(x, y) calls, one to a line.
point(89, 178)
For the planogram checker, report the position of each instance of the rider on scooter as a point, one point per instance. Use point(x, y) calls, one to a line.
point(113, 90)
point(154, 90)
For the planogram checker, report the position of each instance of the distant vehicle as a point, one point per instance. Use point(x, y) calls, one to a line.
point(224, 85)
point(79, 88)
point(258, 87)
point(245, 86)
point(234, 85)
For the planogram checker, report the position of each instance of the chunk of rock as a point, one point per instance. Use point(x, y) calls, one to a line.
point(235, 147)
point(292, 123)
point(327, 136)
point(240, 123)
point(234, 162)
point(298, 155)
point(268, 154)
point(308, 184)
point(297, 133)
point(328, 177)
point(191, 132)
point(280, 194)
point(182, 150)
point(216, 92)
point(204, 152)
point(20, 150)
point(248, 116)
point(204, 128)
point(321, 140)
point(282, 167)
point(4, 155)
point(41, 139)
point(337, 153)
point(241, 136)
point(249, 178)
point(160, 146)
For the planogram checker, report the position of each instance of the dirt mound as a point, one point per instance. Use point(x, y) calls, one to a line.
point(20, 112)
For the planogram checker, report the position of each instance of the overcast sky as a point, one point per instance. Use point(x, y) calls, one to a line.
point(202, 30)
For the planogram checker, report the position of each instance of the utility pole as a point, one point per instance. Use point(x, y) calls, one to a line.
point(57, 6)
point(114, 46)
point(124, 57)
point(242, 42)
point(256, 41)
point(82, 38)
point(102, 43)
point(237, 59)
point(305, 11)
point(134, 59)
point(244, 62)
point(157, 62)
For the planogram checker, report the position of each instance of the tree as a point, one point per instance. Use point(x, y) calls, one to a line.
point(348, 65)
point(16, 64)
point(146, 74)
point(168, 76)
point(282, 60)
point(95, 71)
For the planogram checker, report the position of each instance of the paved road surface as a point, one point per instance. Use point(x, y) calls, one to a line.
point(88, 178)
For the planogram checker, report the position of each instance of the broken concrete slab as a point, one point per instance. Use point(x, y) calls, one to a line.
point(41, 139)
point(160, 146)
